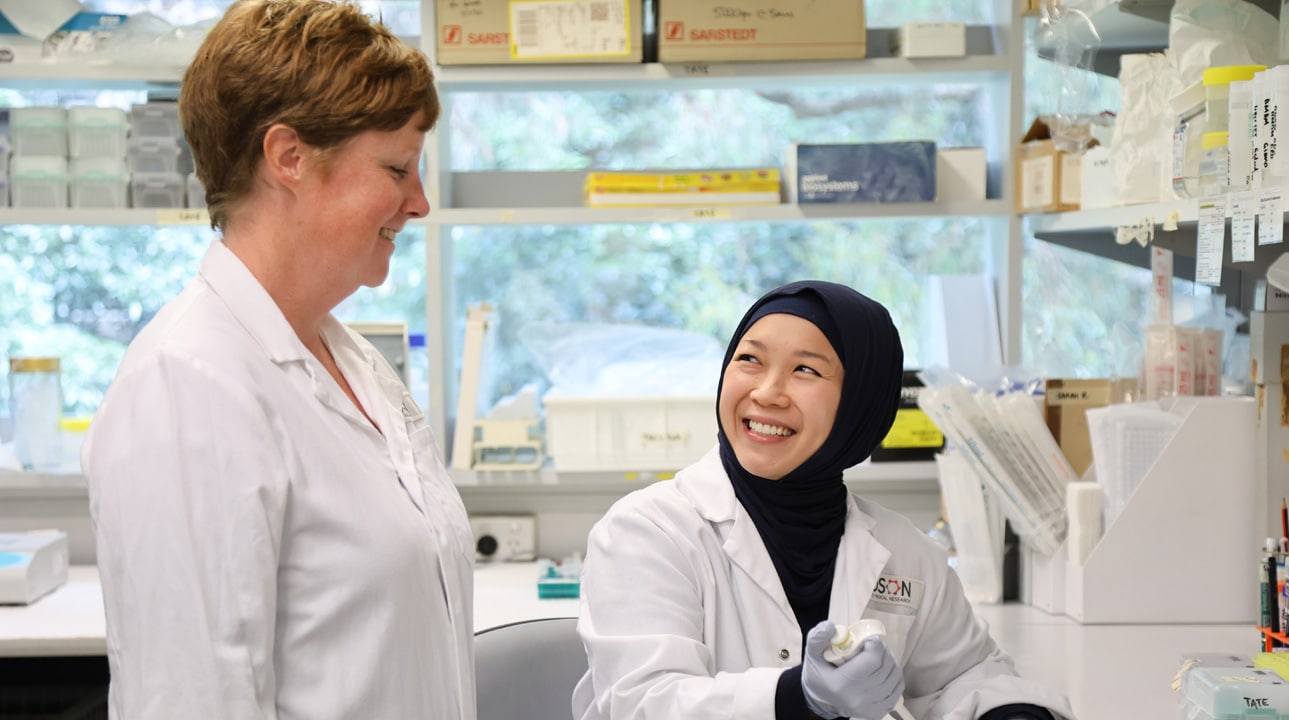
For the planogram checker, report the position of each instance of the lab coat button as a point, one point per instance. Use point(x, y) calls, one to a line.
point(783, 654)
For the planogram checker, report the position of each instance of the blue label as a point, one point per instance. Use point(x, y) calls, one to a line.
point(8, 559)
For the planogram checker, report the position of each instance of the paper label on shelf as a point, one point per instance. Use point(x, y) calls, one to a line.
point(569, 28)
point(182, 216)
point(1244, 213)
point(1212, 235)
point(1271, 228)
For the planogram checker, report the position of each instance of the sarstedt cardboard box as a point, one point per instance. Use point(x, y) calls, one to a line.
point(478, 32)
point(746, 30)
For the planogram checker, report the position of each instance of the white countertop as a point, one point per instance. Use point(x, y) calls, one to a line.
point(1108, 671)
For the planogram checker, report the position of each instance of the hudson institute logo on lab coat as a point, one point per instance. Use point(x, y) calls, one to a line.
point(898, 595)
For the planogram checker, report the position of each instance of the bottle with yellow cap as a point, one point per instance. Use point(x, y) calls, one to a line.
point(36, 406)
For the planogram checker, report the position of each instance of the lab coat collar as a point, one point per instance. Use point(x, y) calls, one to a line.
point(230, 279)
point(860, 559)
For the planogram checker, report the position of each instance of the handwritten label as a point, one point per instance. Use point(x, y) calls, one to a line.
point(1210, 243)
point(711, 214)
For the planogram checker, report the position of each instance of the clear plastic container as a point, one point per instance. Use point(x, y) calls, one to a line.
point(1214, 164)
point(36, 406)
point(1217, 88)
point(1191, 122)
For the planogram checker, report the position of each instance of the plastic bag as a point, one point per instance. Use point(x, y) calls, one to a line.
point(608, 360)
point(1211, 33)
point(1067, 32)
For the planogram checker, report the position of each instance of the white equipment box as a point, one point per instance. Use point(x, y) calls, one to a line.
point(31, 565)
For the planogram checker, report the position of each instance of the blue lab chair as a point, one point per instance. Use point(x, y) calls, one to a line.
point(528, 669)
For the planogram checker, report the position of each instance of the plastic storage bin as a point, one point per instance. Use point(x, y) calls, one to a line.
point(152, 154)
point(39, 131)
point(38, 182)
point(1190, 124)
point(98, 183)
point(96, 132)
point(1214, 164)
point(155, 119)
point(1234, 693)
point(628, 433)
point(1217, 85)
point(197, 199)
point(157, 190)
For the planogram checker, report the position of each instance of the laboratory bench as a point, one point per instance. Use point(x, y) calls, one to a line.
point(1108, 671)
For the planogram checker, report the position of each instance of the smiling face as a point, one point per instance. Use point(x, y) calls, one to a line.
point(779, 395)
point(366, 191)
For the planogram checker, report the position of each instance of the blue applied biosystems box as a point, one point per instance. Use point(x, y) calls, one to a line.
point(861, 172)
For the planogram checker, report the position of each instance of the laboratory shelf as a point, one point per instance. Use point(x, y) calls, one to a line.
point(572, 77)
point(673, 76)
point(101, 216)
point(1175, 224)
point(754, 213)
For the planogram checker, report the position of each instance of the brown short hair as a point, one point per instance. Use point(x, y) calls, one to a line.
point(323, 68)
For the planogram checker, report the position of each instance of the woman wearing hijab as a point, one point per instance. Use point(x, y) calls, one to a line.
point(714, 595)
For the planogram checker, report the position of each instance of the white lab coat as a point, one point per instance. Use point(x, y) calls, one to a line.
point(264, 551)
point(683, 615)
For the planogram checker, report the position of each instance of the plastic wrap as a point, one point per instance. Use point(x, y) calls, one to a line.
point(1067, 32)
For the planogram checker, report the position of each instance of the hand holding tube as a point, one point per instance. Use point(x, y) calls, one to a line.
point(867, 685)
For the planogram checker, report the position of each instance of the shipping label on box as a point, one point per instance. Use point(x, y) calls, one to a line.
point(724, 30)
point(862, 172)
point(1066, 402)
point(478, 32)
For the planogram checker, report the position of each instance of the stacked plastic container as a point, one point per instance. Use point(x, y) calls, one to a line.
point(156, 157)
point(38, 167)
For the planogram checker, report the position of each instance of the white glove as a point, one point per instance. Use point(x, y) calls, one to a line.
point(867, 686)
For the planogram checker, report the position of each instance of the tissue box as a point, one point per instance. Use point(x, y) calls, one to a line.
point(861, 172)
point(32, 564)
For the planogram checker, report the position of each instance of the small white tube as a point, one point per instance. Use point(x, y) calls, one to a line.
point(847, 639)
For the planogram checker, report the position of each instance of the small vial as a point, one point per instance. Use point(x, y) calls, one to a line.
point(846, 639)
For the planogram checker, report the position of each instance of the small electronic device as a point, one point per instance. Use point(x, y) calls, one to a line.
point(32, 564)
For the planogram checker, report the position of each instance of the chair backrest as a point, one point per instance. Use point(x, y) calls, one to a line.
point(528, 669)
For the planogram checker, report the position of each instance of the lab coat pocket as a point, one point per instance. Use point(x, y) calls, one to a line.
point(898, 628)
point(437, 487)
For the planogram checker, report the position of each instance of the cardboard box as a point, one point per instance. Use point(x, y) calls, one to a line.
point(477, 32)
point(732, 30)
point(1047, 180)
point(1097, 178)
point(929, 40)
point(1066, 403)
point(1269, 347)
point(861, 172)
point(961, 174)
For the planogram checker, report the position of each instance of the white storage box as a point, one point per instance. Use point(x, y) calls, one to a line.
point(155, 119)
point(39, 131)
point(153, 154)
point(196, 192)
point(98, 183)
point(1234, 693)
point(38, 182)
point(157, 190)
point(32, 564)
point(96, 132)
point(628, 433)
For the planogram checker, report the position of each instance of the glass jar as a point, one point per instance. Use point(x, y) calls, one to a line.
point(36, 406)
point(1217, 92)
point(1214, 164)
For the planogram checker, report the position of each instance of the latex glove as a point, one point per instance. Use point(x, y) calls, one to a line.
point(866, 686)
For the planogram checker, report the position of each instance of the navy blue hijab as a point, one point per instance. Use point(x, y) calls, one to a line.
point(801, 516)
